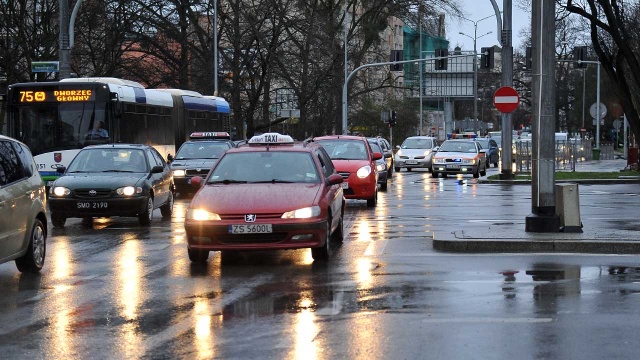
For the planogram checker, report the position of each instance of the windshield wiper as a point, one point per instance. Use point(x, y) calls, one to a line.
point(228, 181)
point(273, 181)
point(113, 170)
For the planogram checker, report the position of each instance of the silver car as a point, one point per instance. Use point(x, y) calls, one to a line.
point(23, 224)
point(415, 152)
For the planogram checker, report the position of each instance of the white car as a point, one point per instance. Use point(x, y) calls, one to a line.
point(23, 224)
point(415, 152)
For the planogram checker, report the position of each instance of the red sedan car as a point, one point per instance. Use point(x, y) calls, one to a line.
point(356, 162)
point(272, 194)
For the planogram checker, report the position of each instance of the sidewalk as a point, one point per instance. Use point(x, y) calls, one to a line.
point(586, 166)
point(600, 236)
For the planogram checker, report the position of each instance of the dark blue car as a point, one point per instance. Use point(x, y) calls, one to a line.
point(493, 154)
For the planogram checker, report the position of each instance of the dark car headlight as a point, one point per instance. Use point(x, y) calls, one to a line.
point(128, 190)
point(60, 191)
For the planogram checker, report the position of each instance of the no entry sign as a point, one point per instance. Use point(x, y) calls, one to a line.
point(506, 99)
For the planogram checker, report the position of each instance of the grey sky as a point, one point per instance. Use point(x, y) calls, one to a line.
point(479, 9)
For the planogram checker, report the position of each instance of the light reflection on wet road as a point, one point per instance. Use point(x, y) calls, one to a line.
point(121, 291)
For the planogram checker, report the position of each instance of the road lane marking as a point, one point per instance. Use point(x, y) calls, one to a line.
point(489, 320)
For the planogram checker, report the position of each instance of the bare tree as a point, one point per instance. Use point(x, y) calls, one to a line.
point(614, 30)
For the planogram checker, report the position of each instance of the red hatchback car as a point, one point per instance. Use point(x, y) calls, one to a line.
point(270, 194)
point(356, 162)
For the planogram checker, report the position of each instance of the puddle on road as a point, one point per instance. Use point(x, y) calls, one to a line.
point(433, 292)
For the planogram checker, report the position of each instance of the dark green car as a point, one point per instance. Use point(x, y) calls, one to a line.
point(113, 180)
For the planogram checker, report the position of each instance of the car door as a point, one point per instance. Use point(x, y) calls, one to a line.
point(165, 176)
point(493, 145)
point(14, 200)
point(334, 193)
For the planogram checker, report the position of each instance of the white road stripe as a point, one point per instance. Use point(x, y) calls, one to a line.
point(492, 320)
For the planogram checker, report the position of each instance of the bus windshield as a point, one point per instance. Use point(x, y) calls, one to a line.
point(58, 126)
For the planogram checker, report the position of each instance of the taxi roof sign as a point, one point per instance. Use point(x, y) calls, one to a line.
point(205, 135)
point(271, 139)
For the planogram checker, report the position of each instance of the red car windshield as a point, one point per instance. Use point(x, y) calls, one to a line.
point(345, 149)
point(265, 167)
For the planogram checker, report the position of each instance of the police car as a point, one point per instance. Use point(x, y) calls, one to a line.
point(271, 194)
point(197, 156)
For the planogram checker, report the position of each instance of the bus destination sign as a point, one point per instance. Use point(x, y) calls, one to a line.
point(31, 96)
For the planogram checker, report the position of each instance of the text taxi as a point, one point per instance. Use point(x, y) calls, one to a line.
point(272, 194)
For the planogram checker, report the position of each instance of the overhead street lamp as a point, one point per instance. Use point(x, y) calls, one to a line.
point(475, 74)
point(475, 38)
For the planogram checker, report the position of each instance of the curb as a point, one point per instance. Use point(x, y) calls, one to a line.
point(577, 181)
point(451, 243)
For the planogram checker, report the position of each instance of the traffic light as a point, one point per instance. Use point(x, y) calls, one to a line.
point(441, 64)
point(486, 57)
point(393, 118)
point(579, 55)
point(396, 55)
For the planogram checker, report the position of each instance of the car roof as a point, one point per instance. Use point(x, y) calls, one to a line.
point(421, 137)
point(297, 146)
point(340, 137)
point(224, 141)
point(2, 137)
point(118, 146)
point(460, 140)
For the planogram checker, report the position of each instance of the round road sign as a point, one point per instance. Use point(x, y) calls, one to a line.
point(506, 99)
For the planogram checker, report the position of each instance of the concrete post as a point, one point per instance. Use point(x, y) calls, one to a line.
point(543, 217)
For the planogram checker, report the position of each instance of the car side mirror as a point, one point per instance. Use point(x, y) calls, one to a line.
point(397, 146)
point(196, 182)
point(157, 169)
point(334, 179)
point(436, 148)
point(377, 156)
point(61, 169)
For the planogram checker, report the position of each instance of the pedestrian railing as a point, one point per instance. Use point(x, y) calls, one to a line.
point(567, 154)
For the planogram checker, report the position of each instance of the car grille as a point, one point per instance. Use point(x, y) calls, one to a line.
point(100, 193)
point(345, 175)
point(240, 217)
point(252, 238)
point(194, 172)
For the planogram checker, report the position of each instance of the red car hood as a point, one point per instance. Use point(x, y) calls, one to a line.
point(255, 198)
point(349, 165)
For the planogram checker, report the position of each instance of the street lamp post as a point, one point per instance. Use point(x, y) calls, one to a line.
point(475, 38)
point(215, 48)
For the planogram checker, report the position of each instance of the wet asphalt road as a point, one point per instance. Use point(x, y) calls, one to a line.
point(121, 291)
